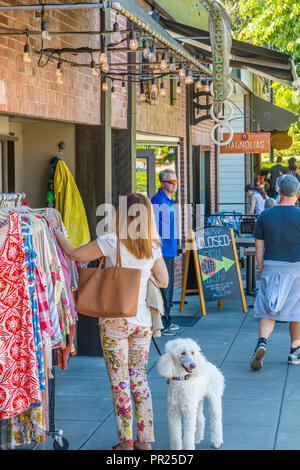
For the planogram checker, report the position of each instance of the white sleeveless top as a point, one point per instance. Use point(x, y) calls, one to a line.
point(108, 245)
point(260, 203)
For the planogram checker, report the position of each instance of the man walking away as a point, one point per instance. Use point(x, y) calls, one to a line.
point(277, 242)
point(273, 175)
point(165, 216)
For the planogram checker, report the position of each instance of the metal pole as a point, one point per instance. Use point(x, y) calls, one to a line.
point(56, 6)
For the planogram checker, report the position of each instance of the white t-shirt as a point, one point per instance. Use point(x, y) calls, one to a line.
point(260, 203)
point(108, 245)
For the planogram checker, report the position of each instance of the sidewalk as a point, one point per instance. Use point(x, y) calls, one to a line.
point(260, 409)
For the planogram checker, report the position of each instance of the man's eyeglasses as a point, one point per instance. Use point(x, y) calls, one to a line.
point(171, 181)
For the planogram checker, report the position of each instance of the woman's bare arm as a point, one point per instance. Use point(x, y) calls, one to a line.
point(260, 246)
point(160, 273)
point(84, 253)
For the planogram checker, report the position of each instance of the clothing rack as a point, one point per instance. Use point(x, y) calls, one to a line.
point(12, 202)
point(11, 199)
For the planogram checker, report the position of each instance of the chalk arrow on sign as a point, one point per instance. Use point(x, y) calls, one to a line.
point(210, 266)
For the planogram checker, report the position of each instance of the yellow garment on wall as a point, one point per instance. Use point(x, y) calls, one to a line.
point(69, 203)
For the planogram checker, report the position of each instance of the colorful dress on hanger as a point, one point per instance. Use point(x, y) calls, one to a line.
point(19, 378)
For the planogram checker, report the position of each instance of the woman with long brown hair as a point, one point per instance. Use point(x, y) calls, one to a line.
point(126, 342)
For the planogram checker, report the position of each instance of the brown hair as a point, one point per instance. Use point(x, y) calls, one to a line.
point(146, 238)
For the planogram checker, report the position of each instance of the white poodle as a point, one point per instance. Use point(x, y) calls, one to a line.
point(191, 378)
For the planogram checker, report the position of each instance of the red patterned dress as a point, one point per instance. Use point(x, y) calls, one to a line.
point(19, 383)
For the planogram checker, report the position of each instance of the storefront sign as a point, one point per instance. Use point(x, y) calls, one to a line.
point(220, 37)
point(221, 87)
point(281, 140)
point(248, 142)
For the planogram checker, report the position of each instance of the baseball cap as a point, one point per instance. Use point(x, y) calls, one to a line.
point(289, 186)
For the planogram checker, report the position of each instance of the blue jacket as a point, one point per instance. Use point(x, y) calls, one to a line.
point(165, 217)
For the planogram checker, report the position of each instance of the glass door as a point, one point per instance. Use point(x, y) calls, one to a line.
point(145, 172)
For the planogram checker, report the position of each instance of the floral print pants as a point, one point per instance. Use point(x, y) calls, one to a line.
point(126, 348)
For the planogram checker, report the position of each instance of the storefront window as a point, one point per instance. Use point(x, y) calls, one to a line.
point(7, 166)
point(164, 157)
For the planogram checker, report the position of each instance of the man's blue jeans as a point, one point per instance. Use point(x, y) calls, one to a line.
point(168, 292)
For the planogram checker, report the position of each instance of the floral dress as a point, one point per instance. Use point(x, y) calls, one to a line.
point(19, 378)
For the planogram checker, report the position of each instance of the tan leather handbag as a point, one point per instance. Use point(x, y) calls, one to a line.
point(108, 292)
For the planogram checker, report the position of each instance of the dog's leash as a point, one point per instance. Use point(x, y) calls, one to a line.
point(155, 344)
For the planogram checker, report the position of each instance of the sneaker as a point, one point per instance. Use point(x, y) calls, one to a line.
point(258, 357)
point(174, 327)
point(167, 332)
point(294, 358)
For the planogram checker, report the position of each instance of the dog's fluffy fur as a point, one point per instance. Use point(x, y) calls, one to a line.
point(186, 397)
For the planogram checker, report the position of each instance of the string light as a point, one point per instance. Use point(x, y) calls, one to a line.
point(133, 44)
point(95, 72)
point(162, 89)
point(59, 73)
point(189, 77)
point(105, 67)
point(181, 72)
point(104, 85)
point(146, 50)
point(172, 64)
point(26, 56)
point(116, 37)
point(153, 53)
point(164, 63)
point(44, 27)
point(178, 88)
point(113, 92)
point(124, 89)
point(154, 88)
point(143, 96)
point(103, 58)
point(198, 84)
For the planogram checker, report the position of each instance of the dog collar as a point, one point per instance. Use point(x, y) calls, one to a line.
point(181, 377)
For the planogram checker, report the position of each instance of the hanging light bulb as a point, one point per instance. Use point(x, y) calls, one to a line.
point(124, 89)
point(95, 72)
point(133, 44)
point(181, 72)
point(189, 77)
point(162, 89)
point(198, 84)
point(105, 67)
point(178, 88)
point(154, 88)
point(59, 73)
point(164, 63)
point(113, 92)
point(146, 50)
point(143, 96)
point(153, 53)
point(103, 58)
point(172, 64)
point(45, 34)
point(116, 37)
point(26, 56)
point(206, 87)
point(104, 85)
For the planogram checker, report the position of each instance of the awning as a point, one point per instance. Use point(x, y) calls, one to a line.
point(135, 13)
point(274, 65)
point(270, 117)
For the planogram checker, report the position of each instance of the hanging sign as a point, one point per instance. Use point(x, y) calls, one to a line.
point(247, 142)
point(221, 87)
point(212, 267)
point(281, 140)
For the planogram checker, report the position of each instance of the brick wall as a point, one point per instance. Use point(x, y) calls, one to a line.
point(33, 91)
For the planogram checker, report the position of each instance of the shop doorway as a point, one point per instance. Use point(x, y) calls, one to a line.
point(7, 165)
point(201, 182)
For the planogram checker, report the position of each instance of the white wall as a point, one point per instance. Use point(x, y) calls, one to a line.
point(232, 166)
point(36, 145)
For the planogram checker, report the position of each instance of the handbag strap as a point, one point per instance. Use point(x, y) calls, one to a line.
point(118, 253)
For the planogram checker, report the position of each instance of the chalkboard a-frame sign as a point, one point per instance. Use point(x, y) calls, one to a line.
point(212, 267)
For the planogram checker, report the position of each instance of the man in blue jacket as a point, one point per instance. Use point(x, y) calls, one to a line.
point(165, 216)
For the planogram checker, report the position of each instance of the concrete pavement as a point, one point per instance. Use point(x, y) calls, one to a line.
point(260, 409)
